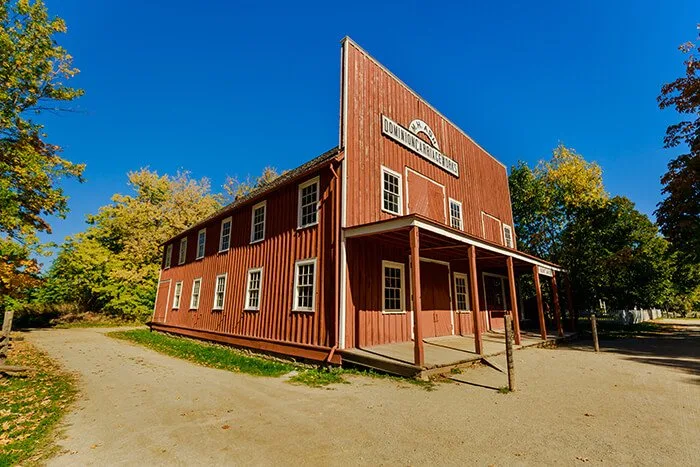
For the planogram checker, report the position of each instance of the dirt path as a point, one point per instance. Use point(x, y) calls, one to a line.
point(627, 405)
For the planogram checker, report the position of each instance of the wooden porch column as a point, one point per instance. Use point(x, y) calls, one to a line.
point(557, 309)
point(476, 312)
point(540, 309)
point(513, 300)
point(418, 352)
point(570, 302)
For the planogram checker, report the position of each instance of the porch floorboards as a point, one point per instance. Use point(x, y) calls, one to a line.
point(441, 353)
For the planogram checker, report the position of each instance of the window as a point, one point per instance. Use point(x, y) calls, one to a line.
point(508, 236)
point(391, 191)
point(257, 222)
point(220, 292)
point(225, 240)
point(305, 285)
point(456, 214)
point(194, 298)
point(461, 292)
point(308, 203)
point(392, 286)
point(201, 243)
point(177, 295)
point(168, 255)
point(182, 254)
point(252, 294)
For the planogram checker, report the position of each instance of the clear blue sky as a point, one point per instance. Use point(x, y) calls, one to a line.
point(223, 88)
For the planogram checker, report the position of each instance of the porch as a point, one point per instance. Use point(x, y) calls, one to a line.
point(441, 353)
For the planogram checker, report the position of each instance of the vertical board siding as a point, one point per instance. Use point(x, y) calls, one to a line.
point(284, 244)
point(482, 184)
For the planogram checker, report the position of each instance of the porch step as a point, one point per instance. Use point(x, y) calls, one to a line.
point(368, 360)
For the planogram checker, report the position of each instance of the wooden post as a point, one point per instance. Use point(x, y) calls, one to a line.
point(5, 335)
point(418, 351)
point(557, 308)
point(540, 309)
point(509, 351)
point(594, 330)
point(513, 299)
point(476, 312)
point(570, 300)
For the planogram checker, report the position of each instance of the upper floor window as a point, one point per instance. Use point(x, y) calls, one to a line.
point(182, 254)
point(220, 291)
point(168, 255)
point(252, 300)
point(177, 295)
point(508, 236)
point(225, 239)
point(308, 203)
point(392, 287)
point(456, 214)
point(391, 191)
point(201, 243)
point(305, 285)
point(196, 289)
point(257, 222)
point(461, 292)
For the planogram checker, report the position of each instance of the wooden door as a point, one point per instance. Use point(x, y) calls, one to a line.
point(495, 300)
point(425, 196)
point(435, 298)
point(162, 302)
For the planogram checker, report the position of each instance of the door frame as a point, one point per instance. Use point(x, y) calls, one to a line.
point(167, 299)
point(503, 278)
point(408, 211)
point(449, 284)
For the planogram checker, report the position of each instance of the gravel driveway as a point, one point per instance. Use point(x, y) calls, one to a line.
point(627, 405)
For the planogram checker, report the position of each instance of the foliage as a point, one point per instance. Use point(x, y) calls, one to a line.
point(211, 355)
point(113, 265)
point(545, 199)
point(678, 213)
point(615, 253)
point(19, 272)
point(319, 377)
point(31, 407)
point(236, 189)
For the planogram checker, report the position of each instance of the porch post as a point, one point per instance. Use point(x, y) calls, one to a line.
point(513, 299)
point(570, 302)
point(475, 300)
point(418, 352)
point(557, 309)
point(540, 310)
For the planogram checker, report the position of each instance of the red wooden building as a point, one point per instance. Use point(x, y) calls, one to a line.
point(402, 232)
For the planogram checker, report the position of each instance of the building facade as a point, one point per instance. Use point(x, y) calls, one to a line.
point(402, 232)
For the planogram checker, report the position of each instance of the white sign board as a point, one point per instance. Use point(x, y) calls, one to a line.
point(545, 271)
point(406, 138)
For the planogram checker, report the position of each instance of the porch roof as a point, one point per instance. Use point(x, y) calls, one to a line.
point(443, 241)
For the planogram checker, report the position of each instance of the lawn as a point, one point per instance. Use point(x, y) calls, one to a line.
point(31, 406)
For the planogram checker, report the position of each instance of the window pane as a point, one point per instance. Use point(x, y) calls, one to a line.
point(392, 289)
point(305, 286)
point(201, 243)
point(225, 235)
point(309, 204)
point(391, 198)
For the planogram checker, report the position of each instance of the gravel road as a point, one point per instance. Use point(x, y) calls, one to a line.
point(637, 402)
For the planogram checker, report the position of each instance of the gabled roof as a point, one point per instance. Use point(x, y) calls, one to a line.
point(258, 192)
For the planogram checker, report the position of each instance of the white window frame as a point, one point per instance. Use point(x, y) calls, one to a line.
point(177, 295)
point(199, 294)
point(303, 262)
point(461, 275)
point(168, 256)
point(182, 252)
point(400, 194)
point(204, 246)
point(221, 234)
point(512, 236)
point(401, 267)
point(461, 214)
point(260, 285)
point(308, 183)
point(262, 204)
point(216, 288)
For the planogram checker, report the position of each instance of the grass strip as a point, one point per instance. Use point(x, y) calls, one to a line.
point(31, 406)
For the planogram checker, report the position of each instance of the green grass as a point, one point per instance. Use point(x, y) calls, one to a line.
point(613, 329)
point(320, 377)
point(31, 406)
point(211, 355)
point(504, 390)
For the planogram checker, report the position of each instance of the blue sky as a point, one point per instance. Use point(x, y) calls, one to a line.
point(225, 88)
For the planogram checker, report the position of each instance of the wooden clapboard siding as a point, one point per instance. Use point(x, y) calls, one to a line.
point(372, 91)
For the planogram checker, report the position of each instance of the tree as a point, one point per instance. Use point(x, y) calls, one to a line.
point(546, 199)
point(113, 265)
point(236, 189)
